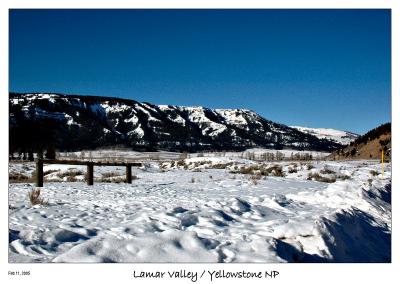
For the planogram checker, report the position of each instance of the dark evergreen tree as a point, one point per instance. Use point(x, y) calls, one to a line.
point(50, 153)
point(40, 153)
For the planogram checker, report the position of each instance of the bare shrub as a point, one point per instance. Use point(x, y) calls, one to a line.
point(219, 166)
point(256, 176)
point(18, 177)
point(120, 179)
point(114, 177)
point(109, 174)
point(71, 179)
point(326, 170)
point(344, 177)
point(70, 173)
point(86, 177)
point(113, 180)
point(222, 166)
point(374, 173)
point(210, 176)
point(45, 173)
point(34, 197)
point(247, 170)
point(276, 170)
point(318, 177)
point(310, 166)
point(180, 163)
point(193, 180)
point(162, 166)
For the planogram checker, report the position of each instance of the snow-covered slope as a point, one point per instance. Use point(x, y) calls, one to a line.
point(71, 122)
point(339, 136)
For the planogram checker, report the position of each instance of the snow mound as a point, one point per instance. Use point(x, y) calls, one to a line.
point(167, 246)
point(354, 236)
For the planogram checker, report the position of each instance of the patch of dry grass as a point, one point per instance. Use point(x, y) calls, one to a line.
point(18, 177)
point(34, 197)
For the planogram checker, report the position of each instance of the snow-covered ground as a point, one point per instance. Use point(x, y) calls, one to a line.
point(206, 209)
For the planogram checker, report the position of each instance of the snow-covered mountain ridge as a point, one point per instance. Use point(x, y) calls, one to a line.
point(71, 122)
point(339, 136)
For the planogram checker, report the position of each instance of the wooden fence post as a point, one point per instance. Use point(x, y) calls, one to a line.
point(128, 173)
point(89, 173)
point(39, 173)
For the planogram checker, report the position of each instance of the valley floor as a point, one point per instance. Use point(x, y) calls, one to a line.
point(206, 209)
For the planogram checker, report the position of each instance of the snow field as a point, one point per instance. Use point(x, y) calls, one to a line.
point(206, 214)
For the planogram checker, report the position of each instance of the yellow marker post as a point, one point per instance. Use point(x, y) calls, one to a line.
point(382, 164)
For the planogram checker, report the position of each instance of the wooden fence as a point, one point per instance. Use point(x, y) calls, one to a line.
point(89, 165)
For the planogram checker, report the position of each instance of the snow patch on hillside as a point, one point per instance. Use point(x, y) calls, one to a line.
point(339, 136)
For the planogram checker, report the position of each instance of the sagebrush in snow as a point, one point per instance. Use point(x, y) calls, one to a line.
point(318, 177)
point(34, 197)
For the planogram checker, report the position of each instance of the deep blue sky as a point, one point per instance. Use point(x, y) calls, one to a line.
point(317, 68)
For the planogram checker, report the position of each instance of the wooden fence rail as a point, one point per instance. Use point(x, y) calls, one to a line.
point(89, 168)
